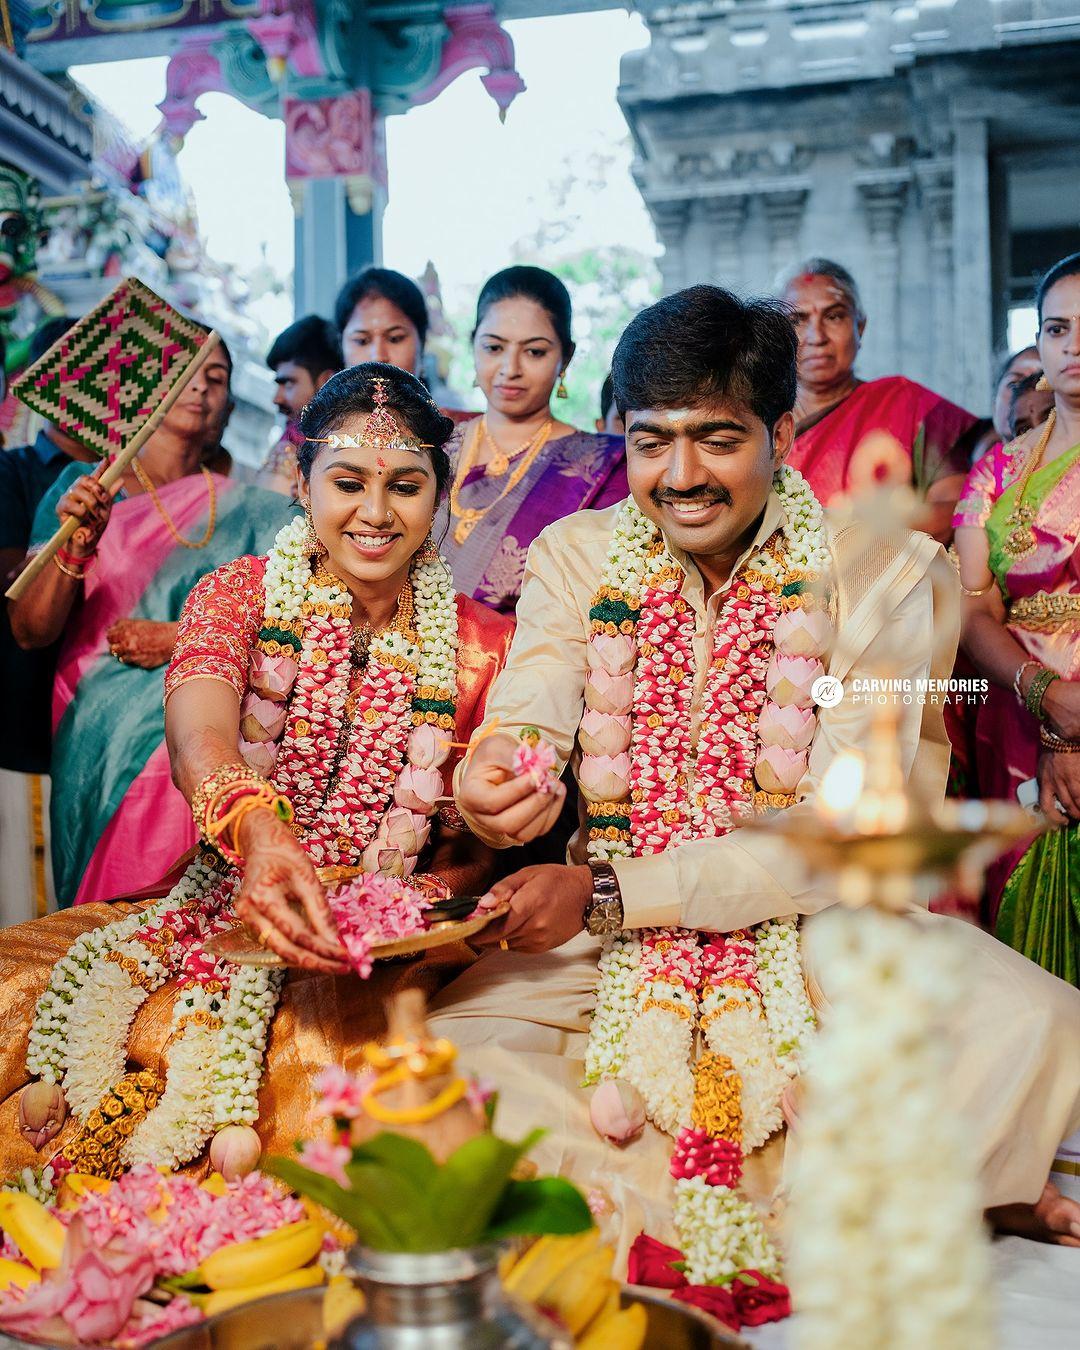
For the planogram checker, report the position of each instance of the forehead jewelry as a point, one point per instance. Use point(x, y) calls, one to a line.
point(381, 430)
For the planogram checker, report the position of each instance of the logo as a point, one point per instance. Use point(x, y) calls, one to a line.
point(827, 691)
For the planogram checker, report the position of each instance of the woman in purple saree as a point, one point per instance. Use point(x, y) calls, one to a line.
point(518, 468)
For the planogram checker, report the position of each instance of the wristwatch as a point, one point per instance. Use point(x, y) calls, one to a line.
point(603, 915)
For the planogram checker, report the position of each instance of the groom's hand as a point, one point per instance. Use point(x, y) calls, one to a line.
point(547, 907)
point(502, 804)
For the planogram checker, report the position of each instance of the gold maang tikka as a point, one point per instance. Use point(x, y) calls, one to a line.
point(381, 430)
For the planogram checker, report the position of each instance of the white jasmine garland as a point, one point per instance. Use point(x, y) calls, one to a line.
point(889, 1249)
point(721, 1234)
point(616, 1000)
point(249, 1010)
point(656, 1061)
point(787, 1005)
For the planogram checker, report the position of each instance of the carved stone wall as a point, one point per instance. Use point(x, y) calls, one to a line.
point(931, 147)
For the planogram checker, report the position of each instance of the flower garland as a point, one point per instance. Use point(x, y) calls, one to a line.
point(891, 1250)
point(650, 788)
point(368, 800)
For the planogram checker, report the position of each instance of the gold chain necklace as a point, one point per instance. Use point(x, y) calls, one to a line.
point(148, 486)
point(1021, 539)
point(469, 517)
point(499, 462)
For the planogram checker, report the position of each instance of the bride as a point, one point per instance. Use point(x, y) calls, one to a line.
point(316, 703)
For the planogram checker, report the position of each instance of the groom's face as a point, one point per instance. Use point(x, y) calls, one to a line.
point(703, 474)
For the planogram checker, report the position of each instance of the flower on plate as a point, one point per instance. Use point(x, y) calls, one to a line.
point(341, 1094)
point(321, 1155)
point(759, 1299)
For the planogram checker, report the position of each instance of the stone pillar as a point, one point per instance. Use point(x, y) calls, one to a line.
point(935, 179)
point(973, 333)
point(726, 217)
point(784, 206)
point(671, 219)
point(883, 195)
point(333, 241)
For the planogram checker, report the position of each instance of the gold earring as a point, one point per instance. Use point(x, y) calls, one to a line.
point(312, 543)
point(1042, 384)
point(428, 552)
point(561, 392)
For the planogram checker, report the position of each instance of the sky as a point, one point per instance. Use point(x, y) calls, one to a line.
point(463, 188)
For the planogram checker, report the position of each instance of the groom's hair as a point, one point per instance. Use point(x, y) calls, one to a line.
point(707, 346)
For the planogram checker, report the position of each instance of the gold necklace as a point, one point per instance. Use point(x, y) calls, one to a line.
point(1021, 539)
point(499, 462)
point(469, 517)
point(148, 486)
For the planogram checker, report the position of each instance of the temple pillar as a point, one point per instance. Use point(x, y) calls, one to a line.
point(784, 206)
point(335, 165)
point(883, 194)
point(726, 218)
point(935, 180)
point(671, 219)
point(972, 325)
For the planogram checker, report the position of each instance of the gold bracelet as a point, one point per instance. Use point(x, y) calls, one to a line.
point(981, 590)
point(1050, 740)
point(68, 571)
point(215, 780)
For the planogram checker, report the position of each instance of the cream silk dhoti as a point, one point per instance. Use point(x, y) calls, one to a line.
point(522, 1021)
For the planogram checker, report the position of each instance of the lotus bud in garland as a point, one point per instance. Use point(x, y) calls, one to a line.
point(428, 747)
point(272, 676)
point(235, 1151)
point(418, 789)
point(789, 679)
point(603, 733)
point(791, 728)
point(42, 1112)
point(609, 693)
point(779, 770)
point(803, 632)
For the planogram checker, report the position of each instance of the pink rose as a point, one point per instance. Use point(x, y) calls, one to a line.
point(603, 733)
point(272, 676)
point(102, 1284)
point(259, 755)
point(792, 728)
point(615, 655)
point(428, 747)
point(418, 789)
point(617, 1111)
point(329, 1159)
point(604, 778)
point(404, 830)
point(779, 770)
point(803, 632)
point(609, 693)
point(261, 719)
point(389, 862)
point(790, 678)
point(235, 1151)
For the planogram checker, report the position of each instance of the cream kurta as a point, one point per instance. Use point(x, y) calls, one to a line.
point(522, 1020)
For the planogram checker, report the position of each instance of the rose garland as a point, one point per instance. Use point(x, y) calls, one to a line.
point(648, 789)
point(369, 802)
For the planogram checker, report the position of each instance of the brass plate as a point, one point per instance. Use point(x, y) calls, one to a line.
point(240, 947)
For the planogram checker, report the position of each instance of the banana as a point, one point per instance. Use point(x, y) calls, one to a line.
point(579, 1291)
point(544, 1260)
point(221, 1300)
point(14, 1272)
point(243, 1265)
point(77, 1184)
point(623, 1330)
point(343, 1302)
point(38, 1234)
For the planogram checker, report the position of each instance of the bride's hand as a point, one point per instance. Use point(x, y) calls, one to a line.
point(278, 876)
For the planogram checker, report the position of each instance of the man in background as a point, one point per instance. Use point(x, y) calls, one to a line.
point(302, 357)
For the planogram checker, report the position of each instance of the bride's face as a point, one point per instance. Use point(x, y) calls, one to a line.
point(372, 509)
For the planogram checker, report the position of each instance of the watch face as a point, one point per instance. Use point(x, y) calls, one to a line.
point(605, 918)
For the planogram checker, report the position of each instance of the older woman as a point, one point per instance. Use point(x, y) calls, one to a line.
point(324, 681)
point(853, 433)
point(114, 597)
point(1017, 529)
point(519, 467)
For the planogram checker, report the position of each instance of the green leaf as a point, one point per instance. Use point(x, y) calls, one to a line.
point(401, 1154)
point(403, 1205)
point(471, 1182)
point(371, 1229)
point(545, 1205)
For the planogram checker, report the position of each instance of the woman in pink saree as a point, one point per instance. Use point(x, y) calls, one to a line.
point(854, 434)
point(115, 599)
point(1017, 526)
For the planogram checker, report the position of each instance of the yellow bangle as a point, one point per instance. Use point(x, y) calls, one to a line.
point(68, 571)
point(401, 1060)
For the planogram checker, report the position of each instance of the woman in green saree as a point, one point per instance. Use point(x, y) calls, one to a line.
point(1017, 526)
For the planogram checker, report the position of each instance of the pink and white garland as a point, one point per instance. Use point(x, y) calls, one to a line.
point(649, 789)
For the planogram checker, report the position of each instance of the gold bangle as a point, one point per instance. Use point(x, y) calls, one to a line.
point(981, 590)
point(68, 571)
point(210, 785)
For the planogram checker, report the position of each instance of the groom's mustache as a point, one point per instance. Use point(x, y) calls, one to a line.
point(702, 496)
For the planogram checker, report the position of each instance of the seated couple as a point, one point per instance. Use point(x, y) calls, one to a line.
point(661, 648)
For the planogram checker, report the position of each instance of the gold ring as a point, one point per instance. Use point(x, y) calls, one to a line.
point(504, 945)
point(262, 940)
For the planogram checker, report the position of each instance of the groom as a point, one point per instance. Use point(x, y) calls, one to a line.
point(706, 385)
